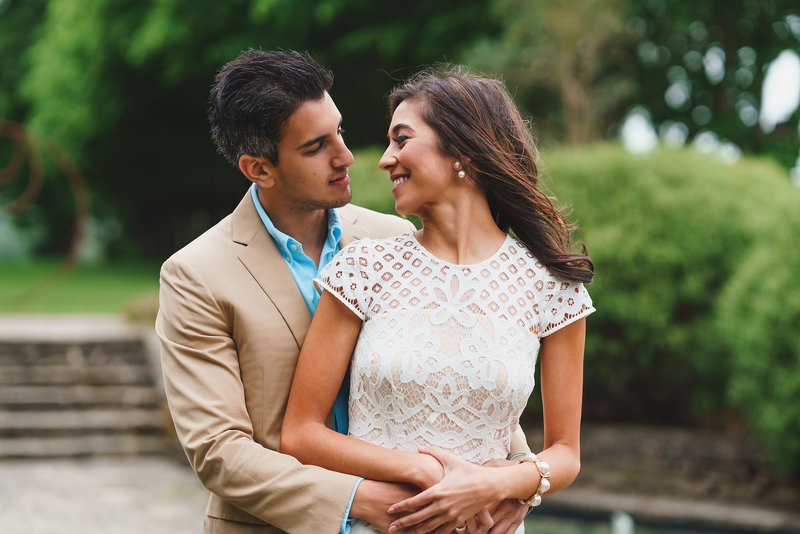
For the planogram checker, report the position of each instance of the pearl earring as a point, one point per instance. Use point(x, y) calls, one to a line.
point(457, 166)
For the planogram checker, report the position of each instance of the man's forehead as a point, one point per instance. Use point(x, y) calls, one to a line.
point(312, 119)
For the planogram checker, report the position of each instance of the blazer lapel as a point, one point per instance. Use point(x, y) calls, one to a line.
point(351, 229)
point(264, 262)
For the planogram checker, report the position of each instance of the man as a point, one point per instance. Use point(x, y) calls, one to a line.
point(235, 304)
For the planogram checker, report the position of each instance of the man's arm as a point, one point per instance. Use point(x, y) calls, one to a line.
point(519, 443)
point(206, 396)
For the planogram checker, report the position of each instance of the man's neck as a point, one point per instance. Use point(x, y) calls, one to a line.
point(309, 227)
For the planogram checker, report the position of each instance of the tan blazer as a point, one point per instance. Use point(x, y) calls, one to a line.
point(231, 323)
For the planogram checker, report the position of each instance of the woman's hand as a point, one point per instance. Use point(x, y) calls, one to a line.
point(462, 493)
point(428, 471)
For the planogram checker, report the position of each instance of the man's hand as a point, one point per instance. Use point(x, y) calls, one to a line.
point(374, 498)
point(507, 515)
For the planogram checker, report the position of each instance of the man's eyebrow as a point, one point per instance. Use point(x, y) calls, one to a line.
point(399, 126)
point(313, 142)
point(316, 139)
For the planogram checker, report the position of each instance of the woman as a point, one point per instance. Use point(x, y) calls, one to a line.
point(444, 325)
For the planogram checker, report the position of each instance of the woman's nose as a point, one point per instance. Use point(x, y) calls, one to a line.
point(388, 160)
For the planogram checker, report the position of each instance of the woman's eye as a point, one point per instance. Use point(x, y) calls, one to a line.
point(340, 131)
point(400, 138)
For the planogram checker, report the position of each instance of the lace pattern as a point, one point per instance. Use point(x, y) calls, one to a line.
point(447, 352)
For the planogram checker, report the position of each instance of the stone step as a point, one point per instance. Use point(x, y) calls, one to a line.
point(54, 353)
point(39, 397)
point(71, 374)
point(29, 423)
point(79, 386)
point(84, 445)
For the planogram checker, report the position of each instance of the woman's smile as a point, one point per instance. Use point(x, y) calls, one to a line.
point(398, 180)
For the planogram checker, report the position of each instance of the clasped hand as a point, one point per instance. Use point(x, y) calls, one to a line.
point(467, 495)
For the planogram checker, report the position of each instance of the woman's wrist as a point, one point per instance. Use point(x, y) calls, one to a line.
point(427, 471)
point(521, 480)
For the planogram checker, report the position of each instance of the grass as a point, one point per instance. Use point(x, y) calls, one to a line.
point(36, 286)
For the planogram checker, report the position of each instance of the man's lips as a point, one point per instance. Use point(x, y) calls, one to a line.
point(341, 180)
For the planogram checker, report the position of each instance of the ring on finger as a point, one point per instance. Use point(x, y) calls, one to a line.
point(462, 528)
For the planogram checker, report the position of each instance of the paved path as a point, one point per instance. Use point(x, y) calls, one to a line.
point(151, 495)
point(156, 495)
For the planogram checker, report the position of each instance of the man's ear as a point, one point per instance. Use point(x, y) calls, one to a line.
point(258, 170)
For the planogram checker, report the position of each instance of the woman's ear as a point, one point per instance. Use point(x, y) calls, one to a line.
point(258, 170)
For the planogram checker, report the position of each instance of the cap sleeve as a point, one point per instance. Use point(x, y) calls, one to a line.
point(346, 277)
point(562, 303)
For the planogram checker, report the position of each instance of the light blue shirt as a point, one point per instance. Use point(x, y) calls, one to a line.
point(304, 270)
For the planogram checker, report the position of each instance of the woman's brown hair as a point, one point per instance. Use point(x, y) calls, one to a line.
point(477, 122)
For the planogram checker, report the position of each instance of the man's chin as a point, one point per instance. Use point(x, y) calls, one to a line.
point(327, 204)
point(343, 201)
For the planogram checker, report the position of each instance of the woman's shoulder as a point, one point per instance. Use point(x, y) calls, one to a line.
point(520, 255)
point(534, 269)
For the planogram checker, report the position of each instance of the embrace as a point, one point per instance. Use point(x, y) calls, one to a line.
point(397, 408)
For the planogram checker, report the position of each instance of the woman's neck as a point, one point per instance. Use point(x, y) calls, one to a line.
point(461, 232)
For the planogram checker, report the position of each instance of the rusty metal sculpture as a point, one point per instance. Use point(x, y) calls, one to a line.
point(30, 147)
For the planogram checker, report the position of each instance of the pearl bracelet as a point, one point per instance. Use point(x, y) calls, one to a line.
point(544, 483)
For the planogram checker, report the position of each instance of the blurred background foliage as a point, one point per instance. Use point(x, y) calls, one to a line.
point(698, 317)
point(123, 85)
point(699, 311)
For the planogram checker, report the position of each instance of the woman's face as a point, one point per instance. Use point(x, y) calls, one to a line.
point(421, 175)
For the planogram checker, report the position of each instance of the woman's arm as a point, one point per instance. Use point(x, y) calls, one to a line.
point(321, 367)
point(466, 487)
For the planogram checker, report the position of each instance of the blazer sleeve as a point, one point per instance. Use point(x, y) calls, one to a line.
point(519, 442)
point(206, 398)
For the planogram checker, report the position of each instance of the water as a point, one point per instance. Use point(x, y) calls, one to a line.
point(549, 523)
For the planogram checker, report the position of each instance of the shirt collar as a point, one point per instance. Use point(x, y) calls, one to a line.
point(283, 241)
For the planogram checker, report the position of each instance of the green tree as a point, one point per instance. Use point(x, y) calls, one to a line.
point(19, 23)
point(561, 57)
point(702, 65)
point(578, 66)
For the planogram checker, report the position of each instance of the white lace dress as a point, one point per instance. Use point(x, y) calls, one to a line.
point(447, 352)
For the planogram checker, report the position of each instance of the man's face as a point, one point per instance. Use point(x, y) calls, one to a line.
point(311, 173)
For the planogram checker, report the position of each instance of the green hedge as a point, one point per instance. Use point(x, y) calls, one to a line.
point(760, 318)
point(698, 307)
point(666, 230)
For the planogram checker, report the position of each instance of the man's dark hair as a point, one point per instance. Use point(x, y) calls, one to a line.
point(253, 97)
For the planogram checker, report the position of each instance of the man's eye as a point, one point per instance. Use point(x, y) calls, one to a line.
point(340, 131)
point(316, 149)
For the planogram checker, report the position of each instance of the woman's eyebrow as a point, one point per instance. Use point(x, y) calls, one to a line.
point(399, 126)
